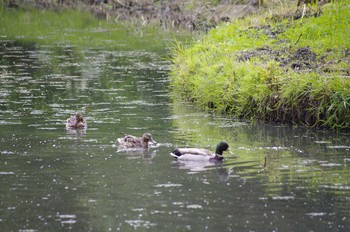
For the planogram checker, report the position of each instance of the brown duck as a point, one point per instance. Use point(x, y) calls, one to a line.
point(130, 141)
point(76, 121)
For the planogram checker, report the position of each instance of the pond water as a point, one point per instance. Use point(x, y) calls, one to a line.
point(58, 180)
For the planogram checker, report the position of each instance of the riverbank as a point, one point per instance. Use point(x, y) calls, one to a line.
point(272, 68)
point(201, 15)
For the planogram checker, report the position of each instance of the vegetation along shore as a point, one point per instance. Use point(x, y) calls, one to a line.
point(273, 67)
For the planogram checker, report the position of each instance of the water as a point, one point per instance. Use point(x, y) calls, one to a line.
point(58, 180)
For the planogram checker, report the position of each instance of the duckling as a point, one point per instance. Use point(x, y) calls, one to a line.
point(200, 154)
point(130, 141)
point(76, 121)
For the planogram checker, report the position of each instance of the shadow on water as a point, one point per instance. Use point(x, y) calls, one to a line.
point(53, 179)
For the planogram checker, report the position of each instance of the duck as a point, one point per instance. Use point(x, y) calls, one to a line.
point(131, 141)
point(201, 154)
point(76, 121)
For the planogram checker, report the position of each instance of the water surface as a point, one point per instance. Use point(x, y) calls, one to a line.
point(53, 179)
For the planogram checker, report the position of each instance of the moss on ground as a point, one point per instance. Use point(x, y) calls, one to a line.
point(272, 68)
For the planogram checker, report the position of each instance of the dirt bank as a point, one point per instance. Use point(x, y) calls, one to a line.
point(192, 15)
point(188, 14)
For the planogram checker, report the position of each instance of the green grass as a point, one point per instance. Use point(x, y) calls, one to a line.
point(245, 68)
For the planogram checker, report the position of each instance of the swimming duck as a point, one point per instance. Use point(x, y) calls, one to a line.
point(76, 121)
point(200, 154)
point(130, 141)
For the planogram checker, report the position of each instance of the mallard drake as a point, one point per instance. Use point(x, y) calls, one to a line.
point(130, 141)
point(76, 121)
point(201, 154)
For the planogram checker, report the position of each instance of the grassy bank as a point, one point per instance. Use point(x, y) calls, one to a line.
point(272, 68)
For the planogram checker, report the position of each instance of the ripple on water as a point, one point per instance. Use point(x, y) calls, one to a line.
point(322, 142)
point(37, 112)
point(139, 103)
point(316, 214)
point(339, 147)
point(140, 223)
point(67, 218)
point(6, 152)
point(336, 187)
point(326, 164)
point(263, 148)
point(48, 128)
point(194, 206)
point(3, 122)
point(168, 185)
point(283, 198)
point(7, 173)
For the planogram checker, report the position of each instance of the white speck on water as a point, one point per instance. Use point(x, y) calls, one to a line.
point(282, 198)
point(168, 185)
point(194, 206)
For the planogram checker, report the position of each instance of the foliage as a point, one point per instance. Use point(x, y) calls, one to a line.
point(273, 70)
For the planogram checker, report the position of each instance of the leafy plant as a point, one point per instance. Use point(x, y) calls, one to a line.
point(281, 71)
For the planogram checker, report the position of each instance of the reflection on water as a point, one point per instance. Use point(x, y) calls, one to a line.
point(138, 154)
point(57, 179)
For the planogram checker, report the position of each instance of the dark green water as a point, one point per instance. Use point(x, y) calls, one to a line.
point(58, 180)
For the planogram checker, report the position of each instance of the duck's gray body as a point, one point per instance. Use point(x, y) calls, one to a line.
point(200, 154)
